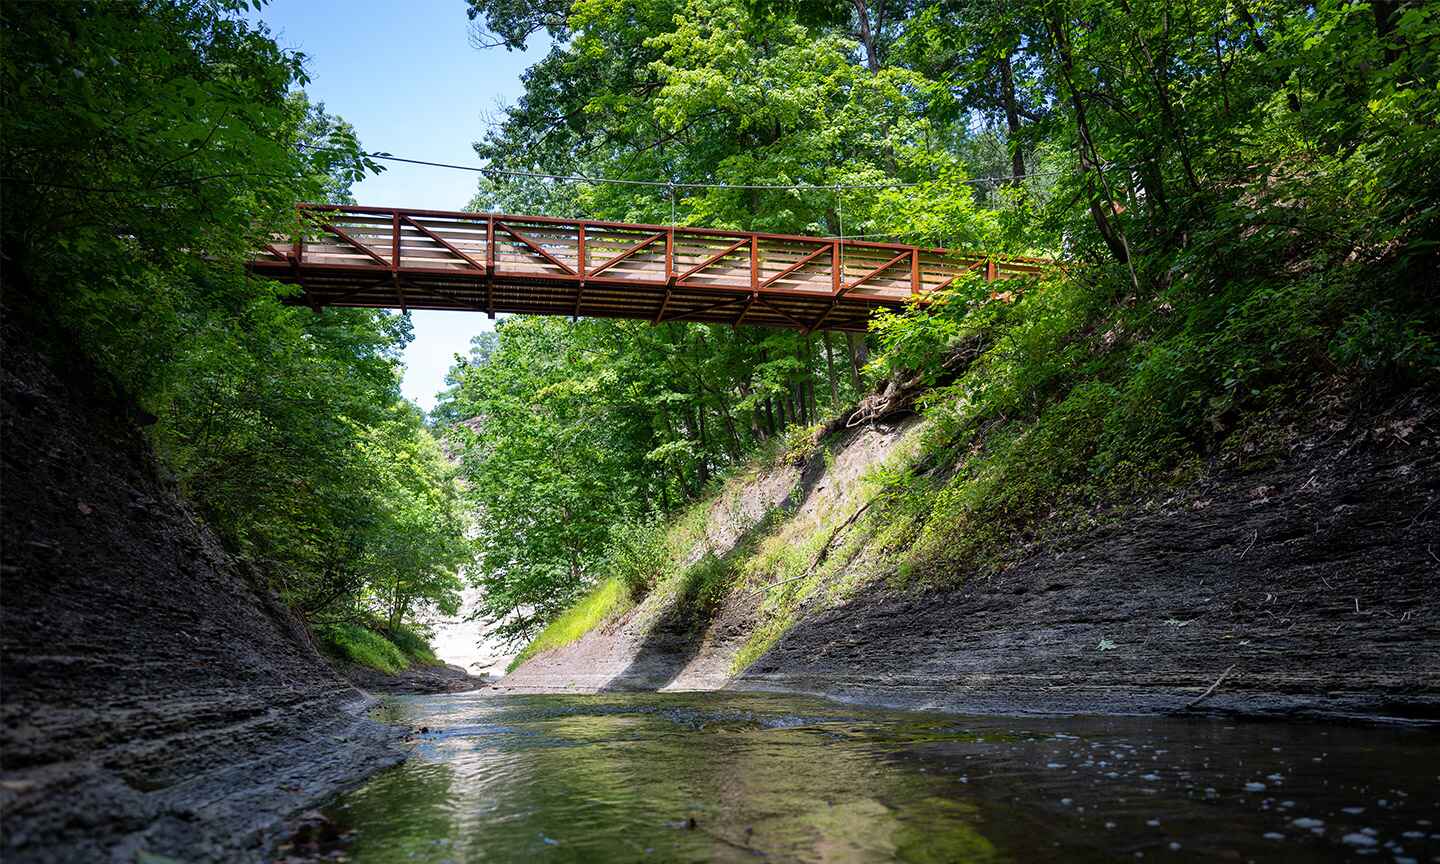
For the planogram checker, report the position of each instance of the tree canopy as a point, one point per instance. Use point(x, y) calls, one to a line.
point(1244, 194)
point(148, 148)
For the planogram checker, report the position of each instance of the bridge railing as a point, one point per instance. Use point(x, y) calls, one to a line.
point(439, 251)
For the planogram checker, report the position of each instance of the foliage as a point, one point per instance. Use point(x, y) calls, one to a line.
point(413, 644)
point(1256, 247)
point(575, 428)
point(374, 645)
point(800, 443)
point(701, 586)
point(363, 646)
point(148, 148)
point(1243, 193)
point(637, 555)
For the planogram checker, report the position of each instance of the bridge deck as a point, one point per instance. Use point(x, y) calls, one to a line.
point(425, 259)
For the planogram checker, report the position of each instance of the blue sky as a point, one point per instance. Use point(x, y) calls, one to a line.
point(405, 75)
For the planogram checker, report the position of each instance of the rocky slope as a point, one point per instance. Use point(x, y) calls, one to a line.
point(156, 698)
point(1309, 588)
point(444, 678)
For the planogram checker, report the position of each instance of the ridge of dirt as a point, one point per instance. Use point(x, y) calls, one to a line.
point(442, 678)
point(156, 696)
point(1306, 589)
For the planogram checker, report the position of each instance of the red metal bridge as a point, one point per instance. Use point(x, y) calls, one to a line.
point(485, 262)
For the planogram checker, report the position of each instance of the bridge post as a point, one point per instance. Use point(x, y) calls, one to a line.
point(395, 242)
point(669, 254)
point(754, 264)
point(490, 265)
point(579, 267)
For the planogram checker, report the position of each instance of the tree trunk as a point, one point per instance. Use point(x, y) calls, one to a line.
point(1384, 12)
point(858, 352)
point(810, 378)
point(757, 431)
point(1012, 118)
point(867, 37)
point(1112, 233)
point(1245, 15)
point(1159, 78)
point(704, 467)
point(398, 608)
point(732, 435)
point(830, 370)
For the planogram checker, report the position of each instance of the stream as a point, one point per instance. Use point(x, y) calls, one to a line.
point(761, 777)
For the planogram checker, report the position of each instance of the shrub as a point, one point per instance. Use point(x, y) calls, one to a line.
point(1380, 341)
point(638, 555)
point(703, 584)
point(413, 644)
point(362, 646)
point(801, 443)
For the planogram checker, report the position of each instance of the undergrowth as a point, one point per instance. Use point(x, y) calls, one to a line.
point(362, 646)
point(609, 598)
point(1087, 397)
point(413, 644)
point(388, 650)
point(1075, 396)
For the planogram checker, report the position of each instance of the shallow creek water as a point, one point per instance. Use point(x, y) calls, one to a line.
point(757, 777)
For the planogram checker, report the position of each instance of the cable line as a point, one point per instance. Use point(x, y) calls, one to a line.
point(621, 181)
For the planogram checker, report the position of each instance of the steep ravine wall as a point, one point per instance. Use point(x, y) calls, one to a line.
point(153, 697)
point(1310, 588)
point(658, 644)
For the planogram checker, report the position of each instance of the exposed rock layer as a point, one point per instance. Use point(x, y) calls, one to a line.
point(1310, 588)
point(155, 696)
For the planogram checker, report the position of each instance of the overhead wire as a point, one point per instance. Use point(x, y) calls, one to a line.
point(673, 184)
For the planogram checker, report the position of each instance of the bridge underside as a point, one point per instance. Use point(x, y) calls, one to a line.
point(491, 263)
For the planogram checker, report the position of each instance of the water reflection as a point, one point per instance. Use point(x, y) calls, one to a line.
point(739, 777)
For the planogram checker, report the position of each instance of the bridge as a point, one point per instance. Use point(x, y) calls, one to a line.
point(405, 259)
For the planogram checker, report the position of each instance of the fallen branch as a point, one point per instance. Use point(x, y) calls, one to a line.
point(765, 588)
point(825, 550)
point(1201, 698)
point(821, 555)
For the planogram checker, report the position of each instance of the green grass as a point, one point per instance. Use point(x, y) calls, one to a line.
point(414, 645)
point(609, 598)
point(362, 646)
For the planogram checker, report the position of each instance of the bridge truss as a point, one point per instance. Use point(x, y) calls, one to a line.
point(428, 259)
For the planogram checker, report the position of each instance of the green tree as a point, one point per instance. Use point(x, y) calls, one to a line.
point(1245, 193)
point(148, 149)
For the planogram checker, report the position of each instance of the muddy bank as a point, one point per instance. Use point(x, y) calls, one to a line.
point(156, 697)
point(1306, 589)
